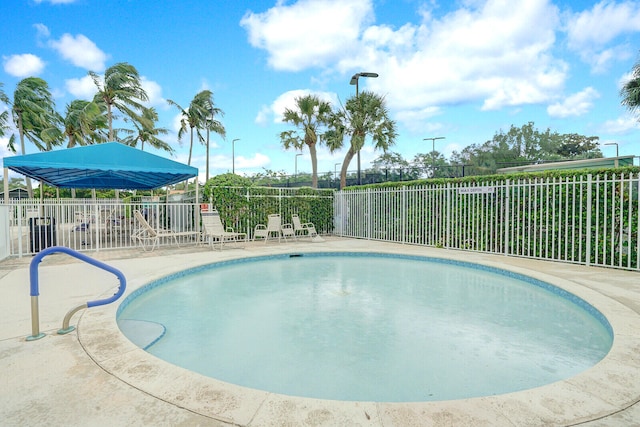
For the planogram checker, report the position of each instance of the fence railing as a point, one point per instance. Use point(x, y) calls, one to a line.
point(591, 220)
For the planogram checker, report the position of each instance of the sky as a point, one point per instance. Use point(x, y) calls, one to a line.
point(462, 70)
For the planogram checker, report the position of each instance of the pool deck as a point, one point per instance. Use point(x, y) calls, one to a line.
point(94, 376)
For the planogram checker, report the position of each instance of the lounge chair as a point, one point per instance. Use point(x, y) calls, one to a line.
point(215, 232)
point(146, 234)
point(303, 229)
point(288, 231)
point(273, 227)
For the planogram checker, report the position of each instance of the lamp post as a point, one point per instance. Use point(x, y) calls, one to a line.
point(433, 149)
point(615, 162)
point(354, 81)
point(335, 172)
point(296, 175)
point(233, 155)
point(613, 143)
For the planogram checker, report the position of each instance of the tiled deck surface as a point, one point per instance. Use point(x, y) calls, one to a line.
point(94, 376)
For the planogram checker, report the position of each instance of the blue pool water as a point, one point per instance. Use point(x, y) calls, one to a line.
point(369, 327)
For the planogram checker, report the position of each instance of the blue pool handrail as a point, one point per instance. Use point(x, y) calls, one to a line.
point(35, 291)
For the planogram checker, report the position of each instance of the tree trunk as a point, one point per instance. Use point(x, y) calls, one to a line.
point(207, 172)
point(345, 166)
point(190, 148)
point(110, 120)
point(22, 149)
point(314, 165)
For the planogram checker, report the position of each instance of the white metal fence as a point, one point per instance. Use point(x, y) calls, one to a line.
point(591, 220)
point(101, 224)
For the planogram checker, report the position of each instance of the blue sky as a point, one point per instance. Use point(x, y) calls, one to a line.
point(463, 69)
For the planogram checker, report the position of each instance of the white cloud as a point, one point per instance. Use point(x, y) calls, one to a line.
point(154, 92)
point(621, 125)
point(81, 51)
point(486, 52)
point(42, 30)
point(82, 88)
point(278, 31)
point(24, 65)
point(262, 118)
point(591, 30)
point(416, 121)
point(575, 105)
point(287, 100)
point(258, 160)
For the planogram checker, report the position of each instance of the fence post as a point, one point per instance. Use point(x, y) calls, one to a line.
point(507, 212)
point(589, 213)
point(367, 215)
point(448, 218)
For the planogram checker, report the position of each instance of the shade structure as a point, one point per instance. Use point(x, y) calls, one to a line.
point(110, 165)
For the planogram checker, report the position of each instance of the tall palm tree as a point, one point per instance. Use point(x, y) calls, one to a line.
point(119, 88)
point(146, 131)
point(198, 116)
point(308, 116)
point(362, 115)
point(630, 92)
point(84, 123)
point(34, 115)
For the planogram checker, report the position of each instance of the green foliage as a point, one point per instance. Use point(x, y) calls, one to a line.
point(630, 92)
point(525, 145)
point(244, 206)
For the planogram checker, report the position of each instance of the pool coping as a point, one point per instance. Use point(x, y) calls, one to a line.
point(610, 386)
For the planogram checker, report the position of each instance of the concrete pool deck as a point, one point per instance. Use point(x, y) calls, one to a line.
point(94, 376)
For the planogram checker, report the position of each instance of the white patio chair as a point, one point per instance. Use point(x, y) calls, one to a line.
point(288, 231)
point(306, 229)
point(146, 234)
point(215, 232)
point(274, 226)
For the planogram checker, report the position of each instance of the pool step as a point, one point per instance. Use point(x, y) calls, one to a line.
point(142, 333)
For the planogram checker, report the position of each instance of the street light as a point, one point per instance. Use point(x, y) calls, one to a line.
point(433, 149)
point(296, 175)
point(354, 81)
point(335, 171)
point(613, 143)
point(233, 155)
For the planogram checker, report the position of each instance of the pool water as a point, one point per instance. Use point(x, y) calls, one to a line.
point(370, 327)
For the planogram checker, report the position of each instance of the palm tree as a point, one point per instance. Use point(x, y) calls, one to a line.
point(84, 123)
point(310, 114)
point(34, 115)
point(120, 88)
point(630, 92)
point(198, 116)
point(362, 115)
point(147, 132)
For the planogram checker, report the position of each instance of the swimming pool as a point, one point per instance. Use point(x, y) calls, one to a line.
point(394, 339)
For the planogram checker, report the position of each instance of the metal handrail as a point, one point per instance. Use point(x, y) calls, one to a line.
point(35, 292)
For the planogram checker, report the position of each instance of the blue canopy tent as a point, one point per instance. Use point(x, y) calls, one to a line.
point(110, 165)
